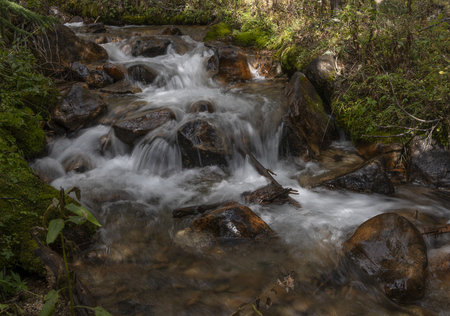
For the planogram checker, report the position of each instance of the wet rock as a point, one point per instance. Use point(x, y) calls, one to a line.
point(171, 30)
point(48, 169)
point(116, 72)
point(391, 153)
point(101, 40)
point(370, 177)
point(78, 108)
point(203, 144)
point(201, 106)
point(133, 127)
point(439, 259)
point(142, 74)
point(212, 65)
point(94, 78)
point(95, 28)
point(321, 73)
point(78, 163)
point(120, 112)
point(232, 220)
point(76, 19)
point(307, 127)
point(429, 163)
point(57, 13)
point(122, 87)
point(126, 49)
point(391, 249)
point(267, 67)
point(88, 20)
point(270, 194)
point(152, 46)
point(65, 47)
point(233, 65)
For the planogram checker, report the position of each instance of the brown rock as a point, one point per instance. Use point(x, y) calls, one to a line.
point(57, 13)
point(133, 127)
point(78, 108)
point(95, 28)
point(122, 87)
point(201, 106)
point(307, 127)
point(156, 45)
point(116, 72)
point(65, 47)
point(370, 177)
point(142, 73)
point(232, 220)
point(233, 65)
point(78, 163)
point(171, 30)
point(76, 19)
point(203, 144)
point(391, 249)
point(98, 79)
point(429, 163)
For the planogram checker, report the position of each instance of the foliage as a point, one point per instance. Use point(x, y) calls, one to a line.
point(218, 31)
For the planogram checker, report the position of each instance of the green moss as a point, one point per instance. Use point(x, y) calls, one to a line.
point(30, 138)
point(135, 19)
point(256, 38)
point(218, 31)
point(289, 60)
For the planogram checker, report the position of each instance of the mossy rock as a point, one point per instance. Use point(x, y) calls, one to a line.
point(289, 60)
point(256, 38)
point(24, 199)
point(30, 138)
point(135, 19)
point(218, 31)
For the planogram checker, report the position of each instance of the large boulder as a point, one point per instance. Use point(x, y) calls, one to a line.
point(429, 163)
point(307, 127)
point(78, 108)
point(62, 46)
point(156, 45)
point(142, 74)
point(134, 127)
point(232, 61)
point(321, 73)
point(370, 177)
point(391, 250)
point(232, 220)
point(203, 144)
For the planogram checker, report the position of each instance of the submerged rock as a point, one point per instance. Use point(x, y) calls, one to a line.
point(78, 108)
point(94, 28)
point(232, 220)
point(307, 127)
point(370, 177)
point(116, 72)
point(201, 106)
point(172, 30)
point(203, 144)
point(122, 87)
point(78, 163)
point(65, 47)
point(133, 127)
point(429, 163)
point(392, 250)
point(142, 74)
point(321, 73)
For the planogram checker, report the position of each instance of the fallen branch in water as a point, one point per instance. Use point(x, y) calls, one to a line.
point(195, 210)
point(287, 284)
point(436, 230)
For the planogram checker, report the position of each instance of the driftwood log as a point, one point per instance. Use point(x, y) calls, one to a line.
point(436, 230)
point(57, 278)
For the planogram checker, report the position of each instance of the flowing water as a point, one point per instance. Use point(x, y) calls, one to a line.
point(141, 263)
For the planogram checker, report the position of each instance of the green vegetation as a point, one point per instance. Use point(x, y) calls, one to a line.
point(218, 31)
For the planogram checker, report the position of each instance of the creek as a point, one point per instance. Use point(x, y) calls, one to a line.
point(140, 264)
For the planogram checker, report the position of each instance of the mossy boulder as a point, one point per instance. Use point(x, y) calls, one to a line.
point(218, 31)
point(30, 138)
point(289, 60)
point(308, 129)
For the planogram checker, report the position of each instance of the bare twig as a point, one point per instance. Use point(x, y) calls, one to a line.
point(431, 26)
point(436, 230)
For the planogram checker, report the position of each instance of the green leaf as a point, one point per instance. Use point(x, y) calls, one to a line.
point(49, 306)
point(3, 307)
point(101, 312)
point(52, 206)
point(82, 211)
point(54, 229)
point(77, 219)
